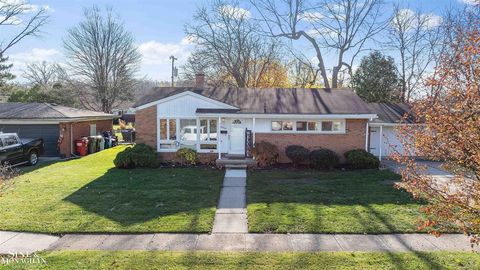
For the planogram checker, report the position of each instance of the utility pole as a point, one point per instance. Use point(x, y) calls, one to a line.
point(174, 69)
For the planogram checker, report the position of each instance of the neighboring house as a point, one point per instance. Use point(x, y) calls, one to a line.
point(57, 125)
point(216, 121)
point(384, 139)
point(126, 115)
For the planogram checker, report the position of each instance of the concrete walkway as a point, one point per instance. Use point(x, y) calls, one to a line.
point(25, 242)
point(231, 214)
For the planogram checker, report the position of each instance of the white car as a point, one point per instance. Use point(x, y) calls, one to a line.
point(189, 133)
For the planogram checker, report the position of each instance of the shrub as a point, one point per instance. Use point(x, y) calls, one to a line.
point(140, 155)
point(298, 154)
point(7, 172)
point(361, 159)
point(187, 156)
point(265, 153)
point(324, 159)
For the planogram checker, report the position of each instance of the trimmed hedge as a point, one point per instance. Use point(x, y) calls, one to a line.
point(265, 153)
point(297, 154)
point(187, 156)
point(324, 159)
point(361, 159)
point(140, 155)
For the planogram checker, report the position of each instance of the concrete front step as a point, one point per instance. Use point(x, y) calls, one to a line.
point(232, 163)
point(235, 167)
point(235, 156)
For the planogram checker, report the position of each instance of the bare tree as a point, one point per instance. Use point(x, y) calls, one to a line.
point(303, 72)
point(44, 75)
point(27, 18)
point(228, 45)
point(416, 37)
point(103, 59)
point(340, 26)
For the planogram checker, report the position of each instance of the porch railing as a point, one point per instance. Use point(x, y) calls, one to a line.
point(248, 143)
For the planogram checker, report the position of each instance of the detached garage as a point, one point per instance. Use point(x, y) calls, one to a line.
point(57, 125)
point(384, 139)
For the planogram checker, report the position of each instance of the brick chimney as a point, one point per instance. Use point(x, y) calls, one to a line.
point(199, 80)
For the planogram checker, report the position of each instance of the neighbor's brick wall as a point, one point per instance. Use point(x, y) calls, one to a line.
point(146, 126)
point(80, 129)
point(203, 158)
point(354, 138)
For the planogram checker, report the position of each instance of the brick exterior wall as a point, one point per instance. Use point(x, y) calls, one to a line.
point(80, 129)
point(203, 158)
point(354, 138)
point(146, 126)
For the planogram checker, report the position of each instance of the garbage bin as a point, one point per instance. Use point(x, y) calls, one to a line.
point(92, 144)
point(81, 146)
point(107, 135)
point(127, 135)
point(101, 143)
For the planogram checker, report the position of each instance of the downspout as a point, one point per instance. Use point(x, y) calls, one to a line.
point(366, 136)
point(71, 139)
point(219, 136)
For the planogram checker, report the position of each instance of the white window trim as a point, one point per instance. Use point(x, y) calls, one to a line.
point(177, 132)
point(318, 121)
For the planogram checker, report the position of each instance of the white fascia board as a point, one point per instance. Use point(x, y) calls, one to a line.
point(163, 100)
point(28, 121)
point(392, 124)
point(51, 121)
point(292, 116)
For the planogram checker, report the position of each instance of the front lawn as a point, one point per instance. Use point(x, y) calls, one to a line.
point(213, 260)
point(307, 201)
point(90, 195)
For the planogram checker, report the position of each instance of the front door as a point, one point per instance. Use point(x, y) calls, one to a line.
point(237, 141)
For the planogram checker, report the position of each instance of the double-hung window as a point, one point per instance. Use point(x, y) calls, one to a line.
point(168, 133)
point(323, 126)
point(282, 125)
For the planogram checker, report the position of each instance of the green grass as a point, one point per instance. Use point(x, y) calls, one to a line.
point(90, 195)
point(307, 201)
point(257, 261)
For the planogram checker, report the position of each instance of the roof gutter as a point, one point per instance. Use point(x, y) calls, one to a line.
point(54, 120)
point(293, 116)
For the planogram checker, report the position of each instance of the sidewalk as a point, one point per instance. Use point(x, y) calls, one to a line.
point(26, 242)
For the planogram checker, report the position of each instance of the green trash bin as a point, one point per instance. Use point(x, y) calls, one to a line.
point(92, 144)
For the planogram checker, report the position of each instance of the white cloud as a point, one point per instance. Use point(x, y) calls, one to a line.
point(471, 2)
point(431, 20)
point(21, 60)
point(24, 8)
point(155, 52)
point(235, 12)
point(312, 16)
point(156, 63)
point(410, 17)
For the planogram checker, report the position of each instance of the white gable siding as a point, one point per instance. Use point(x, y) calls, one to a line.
point(186, 106)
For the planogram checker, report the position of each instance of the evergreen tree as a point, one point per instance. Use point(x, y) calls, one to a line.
point(5, 74)
point(376, 79)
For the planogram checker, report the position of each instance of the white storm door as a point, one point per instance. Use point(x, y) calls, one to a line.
point(237, 141)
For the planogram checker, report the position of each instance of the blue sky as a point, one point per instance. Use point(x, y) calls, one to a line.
point(158, 28)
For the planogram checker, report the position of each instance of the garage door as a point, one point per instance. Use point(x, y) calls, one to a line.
point(49, 134)
point(390, 142)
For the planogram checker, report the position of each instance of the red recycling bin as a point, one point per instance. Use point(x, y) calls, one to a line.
point(81, 146)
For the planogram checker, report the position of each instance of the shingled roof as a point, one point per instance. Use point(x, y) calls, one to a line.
point(392, 112)
point(273, 100)
point(17, 110)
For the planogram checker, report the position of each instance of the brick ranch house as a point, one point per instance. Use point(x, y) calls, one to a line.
point(57, 125)
point(220, 121)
